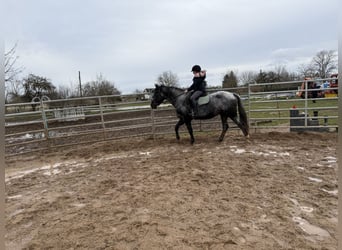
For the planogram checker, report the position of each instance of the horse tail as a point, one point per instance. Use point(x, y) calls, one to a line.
point(242, 115)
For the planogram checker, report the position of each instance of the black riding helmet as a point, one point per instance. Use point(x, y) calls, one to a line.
point(196, 68)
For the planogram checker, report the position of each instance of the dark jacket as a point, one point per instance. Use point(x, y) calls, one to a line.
point(198, 83)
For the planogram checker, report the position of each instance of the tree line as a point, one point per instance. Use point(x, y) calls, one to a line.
point(26, 89)
point(322, 65)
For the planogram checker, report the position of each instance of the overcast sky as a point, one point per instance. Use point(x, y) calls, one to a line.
point(132, 42)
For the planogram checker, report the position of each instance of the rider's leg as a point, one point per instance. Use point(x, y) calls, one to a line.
point(194, 97)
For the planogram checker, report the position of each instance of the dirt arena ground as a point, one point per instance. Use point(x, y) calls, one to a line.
point(273, 191)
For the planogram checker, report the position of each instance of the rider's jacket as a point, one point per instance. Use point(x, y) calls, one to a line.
point(198, 83)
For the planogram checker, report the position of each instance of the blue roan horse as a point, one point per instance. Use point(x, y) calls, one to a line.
point(221, 103)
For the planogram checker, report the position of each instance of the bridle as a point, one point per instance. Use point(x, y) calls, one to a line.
point(172, 99)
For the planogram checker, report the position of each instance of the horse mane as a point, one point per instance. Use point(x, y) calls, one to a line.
point(176, 88)
point(173, 87)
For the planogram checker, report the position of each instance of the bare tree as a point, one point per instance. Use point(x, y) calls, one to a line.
point(325, 62)
point(14, 91)
point(306, 70)
point(247, 77)
point(11, 73)
point(10, 59)
point(168, 78)
point(63, 92)
point(281, 72)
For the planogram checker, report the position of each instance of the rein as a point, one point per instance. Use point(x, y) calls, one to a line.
point(174, 98)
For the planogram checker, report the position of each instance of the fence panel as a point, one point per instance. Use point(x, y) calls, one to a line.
point(285, 109)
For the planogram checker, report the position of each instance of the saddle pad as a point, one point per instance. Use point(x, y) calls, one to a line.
point(203, 100)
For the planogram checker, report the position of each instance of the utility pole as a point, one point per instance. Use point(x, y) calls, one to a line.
point(79, 80)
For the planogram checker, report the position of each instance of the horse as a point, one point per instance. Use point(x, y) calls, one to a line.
point(223, 103)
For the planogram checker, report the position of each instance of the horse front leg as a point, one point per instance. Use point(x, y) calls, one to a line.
point(189, 127)
point(225, 127)
point(179, 123)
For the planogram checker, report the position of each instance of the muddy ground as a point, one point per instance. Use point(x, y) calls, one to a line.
point(273, 191)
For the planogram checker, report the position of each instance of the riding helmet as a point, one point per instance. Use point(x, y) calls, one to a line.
point(196, 68)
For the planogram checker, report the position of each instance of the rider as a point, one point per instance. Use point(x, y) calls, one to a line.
point(198, 87)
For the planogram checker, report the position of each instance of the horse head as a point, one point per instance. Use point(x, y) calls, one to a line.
point(158, 96)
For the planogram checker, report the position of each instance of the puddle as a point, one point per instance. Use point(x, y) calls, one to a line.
point(21, 174)
point(70, 171)
point(25, 137)
point(45, 167)
point(330, 159)
point(314, 179)
point(309, 228)
point(306, 209)
point(333, 192)
point(16, 212)
point(79, 205)
point(270, 153)
point(239, 151)
point(53, 172)
point(48, 170)
point(145, 153)
point(14, 197)
point(326, 164)
point(111, 158)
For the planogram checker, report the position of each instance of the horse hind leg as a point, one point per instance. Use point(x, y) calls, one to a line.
point(179, 123)
point(189, 127)
point(225, 127)
point(243, 129)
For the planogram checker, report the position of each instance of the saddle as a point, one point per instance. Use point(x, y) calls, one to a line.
point(203, 100)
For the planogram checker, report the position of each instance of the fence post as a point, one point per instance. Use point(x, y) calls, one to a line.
point(45, 123)
point(306, 105)
point(153, 124)
point(249, 104)
point(102, 118)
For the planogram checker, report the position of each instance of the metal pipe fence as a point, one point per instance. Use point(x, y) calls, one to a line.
point(315, 110)
point(69, 122)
